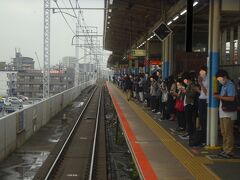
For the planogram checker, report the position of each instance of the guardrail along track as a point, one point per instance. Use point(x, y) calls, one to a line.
point(82, 154)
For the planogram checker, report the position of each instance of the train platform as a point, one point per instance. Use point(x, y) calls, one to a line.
point(159, 152)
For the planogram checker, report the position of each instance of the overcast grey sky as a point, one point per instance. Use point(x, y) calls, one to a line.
point(22, 27)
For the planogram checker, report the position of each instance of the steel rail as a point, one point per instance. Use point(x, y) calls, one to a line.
point(69, 136)
point(95, 138)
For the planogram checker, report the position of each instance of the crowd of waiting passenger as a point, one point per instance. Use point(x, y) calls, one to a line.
point(184, 99)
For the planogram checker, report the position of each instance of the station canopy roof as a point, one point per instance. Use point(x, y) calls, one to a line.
point(127, 23)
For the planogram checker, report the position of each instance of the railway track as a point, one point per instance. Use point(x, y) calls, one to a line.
point(83, 153)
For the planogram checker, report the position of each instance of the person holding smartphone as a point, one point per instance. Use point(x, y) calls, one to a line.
point(227, 113)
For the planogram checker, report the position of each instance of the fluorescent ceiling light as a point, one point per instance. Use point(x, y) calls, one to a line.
point(195, 3)
point(148, 39)
point(170, 22)
point(183, 12)
point(109, 17)
point(175, 18)
point(107, 27)
point(110, 10)
point(111, 2)
point(108, 22)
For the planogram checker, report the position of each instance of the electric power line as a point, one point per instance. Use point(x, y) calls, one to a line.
point(72, 8)
point(69, 13)
point(64, 17)
point(84, 23)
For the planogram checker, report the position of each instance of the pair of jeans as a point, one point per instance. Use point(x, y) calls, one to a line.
point(164, 110)
point(153, 102)
point(157, 103)
point(147, 97)
point(202, 109)
point(170, 105)
point(181, 120)
point(190, 116)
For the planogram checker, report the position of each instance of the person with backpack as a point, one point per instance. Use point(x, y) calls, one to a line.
point(172, 88)
point(179, 106)
point(164, 100)
point(189, 104)
point(159, 93)
point(128, 86)
point(203, 100)
point(153, 93)
point(146, 89)
point(140, 88)
point(227, 111)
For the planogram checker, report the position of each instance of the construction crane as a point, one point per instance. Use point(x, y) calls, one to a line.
point(38, 61)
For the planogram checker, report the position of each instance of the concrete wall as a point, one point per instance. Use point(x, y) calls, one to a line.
point(18, 127)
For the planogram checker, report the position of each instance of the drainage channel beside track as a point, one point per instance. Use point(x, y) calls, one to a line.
point(119, 159)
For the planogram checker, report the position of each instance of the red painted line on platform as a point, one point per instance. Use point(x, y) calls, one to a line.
point(146, 168)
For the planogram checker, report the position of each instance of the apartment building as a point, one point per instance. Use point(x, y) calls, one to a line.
point(30, 82)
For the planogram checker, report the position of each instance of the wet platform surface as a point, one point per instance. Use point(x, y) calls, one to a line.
point(222, 168)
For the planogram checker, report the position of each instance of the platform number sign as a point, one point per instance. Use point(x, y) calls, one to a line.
point(162, 31)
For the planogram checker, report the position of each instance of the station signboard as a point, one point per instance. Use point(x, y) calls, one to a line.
point(155, 62)
point(138, 53)
point(162, 31)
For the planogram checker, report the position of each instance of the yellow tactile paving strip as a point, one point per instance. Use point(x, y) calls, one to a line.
point(195, 165)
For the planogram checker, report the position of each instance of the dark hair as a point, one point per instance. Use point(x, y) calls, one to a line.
point(159, 71)
point(180, 79)
point(203, 68)
point(186, 75)
point(222, 73)
point(189, 75)
point(154, 79)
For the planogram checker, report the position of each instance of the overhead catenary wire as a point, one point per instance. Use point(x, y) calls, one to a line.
point(88, 36)
point(74, 16)
point(73, 8)
point(84, 23)
point(64, 17)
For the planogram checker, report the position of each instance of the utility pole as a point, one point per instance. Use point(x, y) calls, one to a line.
point(76, 77)
point(46, 49)
point(46, 67)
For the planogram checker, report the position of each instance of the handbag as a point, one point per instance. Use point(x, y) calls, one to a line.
point(230, 106)
point(179, 106)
